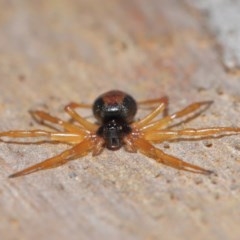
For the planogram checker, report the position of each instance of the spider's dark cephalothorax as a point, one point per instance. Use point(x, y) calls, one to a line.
point(115, 111)
point(115, 127)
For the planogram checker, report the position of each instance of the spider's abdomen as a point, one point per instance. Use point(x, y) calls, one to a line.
point(114, 104)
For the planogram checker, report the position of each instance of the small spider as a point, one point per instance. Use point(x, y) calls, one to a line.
point(115, 127)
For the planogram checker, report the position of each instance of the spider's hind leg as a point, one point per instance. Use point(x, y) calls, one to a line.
point(70, 109)
point(195, 109)
point(152, 103)
point(161, 108)
point(45, 118)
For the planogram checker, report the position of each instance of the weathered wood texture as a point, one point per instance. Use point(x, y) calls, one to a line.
point(54, 52)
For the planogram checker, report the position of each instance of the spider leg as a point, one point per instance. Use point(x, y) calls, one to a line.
point(190, 133)
point(82, 105)
point(151, 103)
point(78, 150)
point(150, 151)
point(43, 135)
point(161, 107)
point(70, 109)
point(164, 122)
point(44, 117)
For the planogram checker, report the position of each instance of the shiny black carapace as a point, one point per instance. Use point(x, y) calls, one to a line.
point(114, 111)
point(116, 127)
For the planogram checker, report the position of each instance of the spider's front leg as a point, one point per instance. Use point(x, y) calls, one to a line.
point(79, 150)
point(136, 141)
point(90, 143)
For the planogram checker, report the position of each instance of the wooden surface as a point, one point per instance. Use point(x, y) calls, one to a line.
point(54, 52)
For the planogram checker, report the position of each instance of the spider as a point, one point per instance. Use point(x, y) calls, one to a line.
point(115, 127)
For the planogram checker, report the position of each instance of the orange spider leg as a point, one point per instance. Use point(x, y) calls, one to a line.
point(154, 101)
point(150, 104)
point(86, 124)
point(150, 151)
point(79, 150)
point(190, 133)
point(141, 123)
point(82, 105)
point(44, 135)
point(43, 117)
point(164, 122)
point(161, 108)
